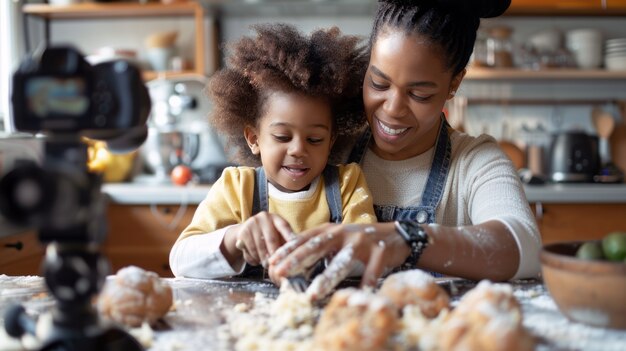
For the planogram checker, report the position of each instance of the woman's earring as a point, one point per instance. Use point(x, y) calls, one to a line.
point(254, 147)
point(452, 93)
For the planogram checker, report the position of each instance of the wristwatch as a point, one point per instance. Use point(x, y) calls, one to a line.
point(416, 237)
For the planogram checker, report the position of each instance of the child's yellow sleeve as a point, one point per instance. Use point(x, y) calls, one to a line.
point(357, 201)
point(228, 202)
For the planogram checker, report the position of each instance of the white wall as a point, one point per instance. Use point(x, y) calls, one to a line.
point(11, 48)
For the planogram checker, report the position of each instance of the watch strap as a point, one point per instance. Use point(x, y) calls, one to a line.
point(416, 238)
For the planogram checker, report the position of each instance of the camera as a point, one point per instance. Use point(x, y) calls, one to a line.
point(60, 96)
point(59, 91)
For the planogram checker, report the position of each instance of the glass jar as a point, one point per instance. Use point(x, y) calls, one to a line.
point(479, 55)
point(500, 47)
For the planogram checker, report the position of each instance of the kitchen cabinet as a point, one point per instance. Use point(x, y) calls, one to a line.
point(573, 222)
point(21, 254)
point(618, 5)
point(103, 11)
point(142, 235)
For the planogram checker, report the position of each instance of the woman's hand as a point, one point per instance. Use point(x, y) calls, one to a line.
point(377, 247)
point(258, 237)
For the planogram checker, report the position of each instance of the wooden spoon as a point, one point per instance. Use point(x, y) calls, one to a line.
point(604, 123)
point(618, 139)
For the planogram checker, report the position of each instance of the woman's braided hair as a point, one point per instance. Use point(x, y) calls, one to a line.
point(450, 25)
point(325, 64)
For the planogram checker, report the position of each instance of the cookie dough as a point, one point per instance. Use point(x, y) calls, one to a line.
point(488, 318)
point(134, 296)
point(415, 287)
point(357, 320)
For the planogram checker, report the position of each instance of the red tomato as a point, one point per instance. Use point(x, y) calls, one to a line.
point(181, 175)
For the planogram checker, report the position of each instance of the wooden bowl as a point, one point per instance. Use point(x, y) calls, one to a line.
point(586, 291)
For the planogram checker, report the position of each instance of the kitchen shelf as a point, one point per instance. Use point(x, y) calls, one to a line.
point(354, 7)
point(131, 10)
point(271, 8)
point(491, 74)
point(104, 10)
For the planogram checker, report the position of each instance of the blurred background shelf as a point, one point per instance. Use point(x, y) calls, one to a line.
point(478, 73)
point(104, 11)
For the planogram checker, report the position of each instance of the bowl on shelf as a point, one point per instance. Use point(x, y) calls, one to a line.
point(586, 291)
point(615, 62)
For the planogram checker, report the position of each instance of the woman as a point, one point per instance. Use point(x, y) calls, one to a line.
point(447, 202)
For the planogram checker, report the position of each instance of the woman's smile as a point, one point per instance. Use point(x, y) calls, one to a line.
point(390, 133)
point(390, 130)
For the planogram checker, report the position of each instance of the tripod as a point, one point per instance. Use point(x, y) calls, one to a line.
point(74, 270)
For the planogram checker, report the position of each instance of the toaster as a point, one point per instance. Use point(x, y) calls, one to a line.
point(574, 157)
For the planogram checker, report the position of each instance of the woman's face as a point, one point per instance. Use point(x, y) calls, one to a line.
point(405, 88)
point(294, 138)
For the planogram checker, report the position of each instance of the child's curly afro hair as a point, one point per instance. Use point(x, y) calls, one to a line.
point(325, 64)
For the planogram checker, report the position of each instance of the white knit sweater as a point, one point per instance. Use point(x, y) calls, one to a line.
point(482, 185)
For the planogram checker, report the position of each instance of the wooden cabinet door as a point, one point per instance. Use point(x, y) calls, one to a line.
point(573, 222)
point(615, 4)
point(21, 254)
point(142, 235)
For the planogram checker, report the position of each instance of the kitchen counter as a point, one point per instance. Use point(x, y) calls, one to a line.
point(159, 194)
point(201, 304)
point(138, 193)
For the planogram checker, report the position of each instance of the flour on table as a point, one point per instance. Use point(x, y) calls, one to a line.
point(285, 323)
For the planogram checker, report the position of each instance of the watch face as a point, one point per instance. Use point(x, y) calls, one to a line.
point(413, 230)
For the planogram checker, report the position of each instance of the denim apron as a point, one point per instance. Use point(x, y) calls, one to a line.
point(423, 213)
point(260, 202)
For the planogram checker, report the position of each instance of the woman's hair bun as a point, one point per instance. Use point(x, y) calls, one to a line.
point(478, 8)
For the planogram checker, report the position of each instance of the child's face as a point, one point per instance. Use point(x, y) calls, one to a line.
point(294, 138)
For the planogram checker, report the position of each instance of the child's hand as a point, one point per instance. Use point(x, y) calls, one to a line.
point(260, 235)
point(376, 246)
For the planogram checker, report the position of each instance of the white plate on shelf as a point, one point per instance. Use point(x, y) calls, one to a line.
point(615, 41)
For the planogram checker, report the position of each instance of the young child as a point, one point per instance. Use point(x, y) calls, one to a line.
point(286, 101)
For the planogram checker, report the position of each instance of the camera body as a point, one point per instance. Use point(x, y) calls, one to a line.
point(59, 92)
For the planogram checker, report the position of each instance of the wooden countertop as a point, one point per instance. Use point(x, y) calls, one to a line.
point(200, 305)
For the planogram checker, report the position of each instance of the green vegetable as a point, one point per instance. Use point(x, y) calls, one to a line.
point(591, 250)
point(614, 246)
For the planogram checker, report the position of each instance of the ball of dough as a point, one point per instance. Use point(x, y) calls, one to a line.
point(415, 287)
point(487, 318)
point(357, 320)
point(135, 296)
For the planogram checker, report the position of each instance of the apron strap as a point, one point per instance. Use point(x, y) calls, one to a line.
point(333, 193)
point(260, 191)
point(436, 182)
point(358, 151)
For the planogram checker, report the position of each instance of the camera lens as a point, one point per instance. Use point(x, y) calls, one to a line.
point(25, 194)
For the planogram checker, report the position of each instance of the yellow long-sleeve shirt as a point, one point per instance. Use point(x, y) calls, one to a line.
point(230, 201)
